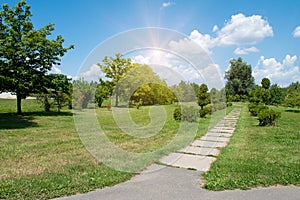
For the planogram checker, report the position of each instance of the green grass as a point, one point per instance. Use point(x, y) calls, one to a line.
point(43, 157)
point(259, 156)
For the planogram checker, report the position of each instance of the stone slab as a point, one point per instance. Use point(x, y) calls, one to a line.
point(215, 139)
point(221, 130)
point(200, 151)
point(202, 143)
point(199, 163)
point(215, 134)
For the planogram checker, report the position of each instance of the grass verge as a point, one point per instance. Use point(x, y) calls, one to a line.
point(258, 156)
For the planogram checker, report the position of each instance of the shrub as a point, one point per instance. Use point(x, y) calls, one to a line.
point(186, 113)
point(268, 117)
point(255, 109)
point(229, 104)
point(203, 112)
point(219, 106)
point(177, 113)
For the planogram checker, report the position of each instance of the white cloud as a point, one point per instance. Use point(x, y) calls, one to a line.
point(215, 28)
point(166, 4)
point(141, 59)
point(92, 74)
point(55, 70)
point(243, 51)
point(282, 73)
point(204, 40)
point(240, 30)
point(296, 32)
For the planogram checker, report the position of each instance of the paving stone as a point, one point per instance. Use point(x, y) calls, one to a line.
point(222, 130)
point(215, 139)
point(200, 151)
point(200, 163)
point(202, 143)
point(215, 134)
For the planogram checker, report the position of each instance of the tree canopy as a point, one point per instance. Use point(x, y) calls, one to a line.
point(26, 54)
point(239, 78)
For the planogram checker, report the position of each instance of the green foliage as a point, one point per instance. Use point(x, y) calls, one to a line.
point(239, 78)
point(203, 112)
point(83, 93)
point(26, 55)
point(292, 99)
point(276, 95)
point(268, 117)
point(102, 93)
point(185, 92)
point(265, 83)
point(177, 114)
point(115, 68)
point(236, 98)
point(186, 113)
point(256, 109)
point(203, 96)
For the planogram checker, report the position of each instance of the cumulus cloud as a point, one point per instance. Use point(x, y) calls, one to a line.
point(92, 74)
point(243, 30)
point(240, 30)
point(282, 73)
point(296, 32)
point(243, 51)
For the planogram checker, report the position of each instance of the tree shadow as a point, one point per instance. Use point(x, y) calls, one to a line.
point(292, 110)
point(14, 121)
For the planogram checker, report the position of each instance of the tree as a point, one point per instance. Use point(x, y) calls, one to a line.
point(276, 95)
point(115, 68)
point(102, 92)
point(82, 93)
point(239, 78)
point(203, 96)
point(26, 55)
point(265, 83)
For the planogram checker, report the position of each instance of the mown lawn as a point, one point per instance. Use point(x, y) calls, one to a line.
point(259, 156)
point(43, 157)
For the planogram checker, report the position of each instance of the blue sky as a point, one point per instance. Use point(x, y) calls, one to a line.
point(264, 33)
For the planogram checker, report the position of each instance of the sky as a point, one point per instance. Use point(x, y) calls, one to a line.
point(266, 34)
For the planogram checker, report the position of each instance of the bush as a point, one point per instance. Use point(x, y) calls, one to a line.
point(255, 109)
point(203, 112)
point(177, 114)
point(219, 106)
point(187, 113)
point(268, 117)
point(229, 104)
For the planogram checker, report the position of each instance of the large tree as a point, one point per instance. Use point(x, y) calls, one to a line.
point(115, 68)
point(26, 54)
point(239, 78)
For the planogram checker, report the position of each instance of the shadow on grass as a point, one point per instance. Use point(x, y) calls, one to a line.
point(292, 110)
point(14, 121)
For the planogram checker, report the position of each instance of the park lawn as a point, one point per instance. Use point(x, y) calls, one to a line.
point(259, 156)
point(43, 157)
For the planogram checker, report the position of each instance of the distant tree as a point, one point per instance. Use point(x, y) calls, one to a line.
point(83, 92)
point(203, 96)
point(265, 83)
point(102, 93)
point(276, 95)
point(26, 55)
point(292, 99)
point(239, 78)
point(115, 68)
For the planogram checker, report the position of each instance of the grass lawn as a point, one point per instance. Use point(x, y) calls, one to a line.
point(43, 157)
point(259, 156)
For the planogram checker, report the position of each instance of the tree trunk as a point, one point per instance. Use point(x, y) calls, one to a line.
point(117, 96)
point(19, 100)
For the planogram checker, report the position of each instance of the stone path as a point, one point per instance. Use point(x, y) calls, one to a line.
point(202, 152)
